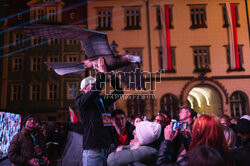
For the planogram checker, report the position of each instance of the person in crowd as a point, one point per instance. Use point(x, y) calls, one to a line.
point(241, 155)
point(160, 119)
point(182, 140)
point(205, 156)
point(137, 120)
point(96, 118)
point(234, 120)
point(207, 130)
point(230, 137)
point(144, 149)
point(27, 147)
point(188, 115)
point(164, 113)
point(123, 132)
point(225, 120)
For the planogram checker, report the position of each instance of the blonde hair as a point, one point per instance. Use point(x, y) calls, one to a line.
point(230, 136)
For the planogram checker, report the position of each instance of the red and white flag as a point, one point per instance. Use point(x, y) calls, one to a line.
point(232, 36)
point(165, 38)
point(73, 117)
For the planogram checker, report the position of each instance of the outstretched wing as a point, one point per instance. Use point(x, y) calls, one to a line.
point(63, 68)
point(94, 43)
point(131, 76)
point(60, 32)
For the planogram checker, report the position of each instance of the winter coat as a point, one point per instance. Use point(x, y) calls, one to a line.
point(144, 155)
point(21, 148)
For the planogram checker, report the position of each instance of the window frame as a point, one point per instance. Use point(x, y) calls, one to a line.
point(19, 95)
point(35, 63)
point(197, 23)
point(173, 58)
point(69, 57)
point(35, 95)
point(197, 60)
point(240, 50)
point(75, 91)
point(241, 101)
point(170, 107)
point(159, 20)
point(52, 94)
point(18, 39)
point(224, 14)
point(136, 17)
point(18, 65)
point(104, 20)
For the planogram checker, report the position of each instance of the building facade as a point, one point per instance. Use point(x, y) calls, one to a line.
point(197, 52)
point(27, 84)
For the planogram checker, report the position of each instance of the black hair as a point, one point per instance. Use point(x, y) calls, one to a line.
point(193, 113)
point(117, 112)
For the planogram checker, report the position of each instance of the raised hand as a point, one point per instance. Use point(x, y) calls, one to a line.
point(101, 67)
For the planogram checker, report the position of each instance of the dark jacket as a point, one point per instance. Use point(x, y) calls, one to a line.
point(129, 128)
point(144, 155)
point(21, 148)
point(241, 155)
point(166, 155)
point(95, 134)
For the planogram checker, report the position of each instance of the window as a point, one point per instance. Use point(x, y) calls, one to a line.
point(72, 42)
point(52, 59)
point(169, 102)
point(132, 18)
point(72, 89)
point(134, 51)
point(72, 58)
point(198, 16)
point(35, 63)
point(16, 90)
point(104, 19)
point(159, 20)
point(17, 64)
point(36, 41)
point(238, 104)
point(136, 107)
point(41, 15)
point(52, 91)
point(72, 15)
point(240, 59)
point(35, 92)
point(201, 58)
point(18, 39)
point(53, 41)
point(51, 14)
point(224, 11)
point(173, 63)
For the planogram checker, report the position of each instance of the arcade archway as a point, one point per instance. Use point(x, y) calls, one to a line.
point(205, 99)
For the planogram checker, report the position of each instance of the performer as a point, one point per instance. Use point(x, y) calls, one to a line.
point(95, 116)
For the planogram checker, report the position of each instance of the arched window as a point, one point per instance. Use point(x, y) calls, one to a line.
point(136, 106)
point(238, 103)
point(169, 102)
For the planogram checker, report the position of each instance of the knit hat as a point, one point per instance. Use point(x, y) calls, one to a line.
point(243, 126)
point(247, 117)
point(147, 132)
point(26, 118)
point(86, 81)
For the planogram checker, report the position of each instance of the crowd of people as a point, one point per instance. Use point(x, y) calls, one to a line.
point(110, 139)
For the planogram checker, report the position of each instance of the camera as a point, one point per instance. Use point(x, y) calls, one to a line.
point(178, 126)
